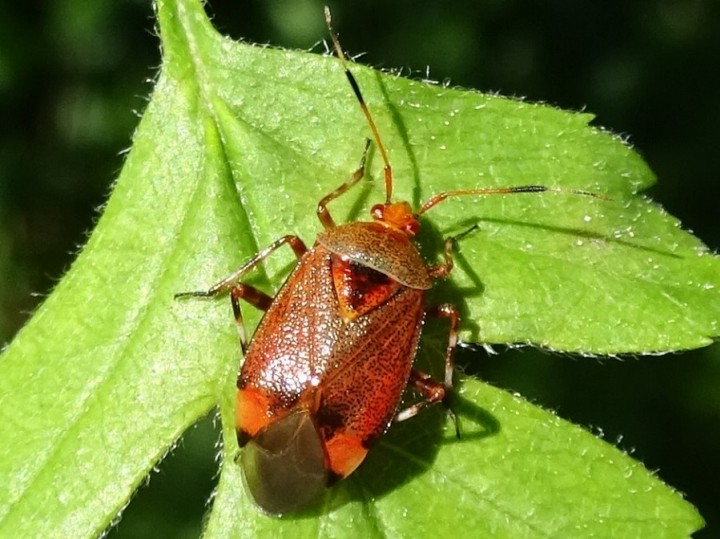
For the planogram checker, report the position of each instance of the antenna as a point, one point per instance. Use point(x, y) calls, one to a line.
point(358, 94)
point(437, 199)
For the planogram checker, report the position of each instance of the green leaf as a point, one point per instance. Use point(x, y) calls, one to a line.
point(236, 147)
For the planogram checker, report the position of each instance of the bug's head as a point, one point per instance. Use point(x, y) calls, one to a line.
point(397, 215)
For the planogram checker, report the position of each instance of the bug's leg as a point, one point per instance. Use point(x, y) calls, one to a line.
point(448, 310)
point(442, 270)
point(432, 390)
point(229, 282)
point(322, 211)
point(238, 291)
point(256, 298)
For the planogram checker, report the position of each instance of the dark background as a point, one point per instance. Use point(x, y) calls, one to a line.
point(75, 73)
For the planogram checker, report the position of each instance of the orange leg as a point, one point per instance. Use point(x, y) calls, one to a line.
point(432, 390)
point(322, 211)
point(256, 298)
point(442, 270)
point(229, 282)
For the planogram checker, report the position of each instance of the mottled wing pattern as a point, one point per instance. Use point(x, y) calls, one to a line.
point(289, 352)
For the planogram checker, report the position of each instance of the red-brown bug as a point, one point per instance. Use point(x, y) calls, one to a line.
point(325, 371)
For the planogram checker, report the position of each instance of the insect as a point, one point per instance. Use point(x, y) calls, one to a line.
point(326, 369)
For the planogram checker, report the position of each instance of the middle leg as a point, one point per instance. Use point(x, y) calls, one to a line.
point(433, 391)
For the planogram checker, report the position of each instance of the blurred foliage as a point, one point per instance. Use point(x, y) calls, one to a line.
point(73, 73)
